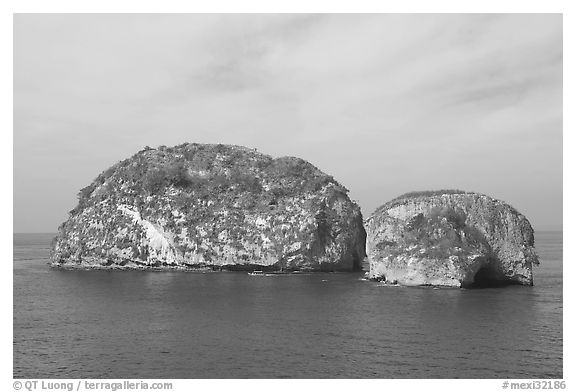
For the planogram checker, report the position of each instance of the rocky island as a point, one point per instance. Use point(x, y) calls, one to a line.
point(450, 238)
point(212, 206)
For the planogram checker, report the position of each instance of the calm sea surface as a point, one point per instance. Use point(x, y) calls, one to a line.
point(130, 324)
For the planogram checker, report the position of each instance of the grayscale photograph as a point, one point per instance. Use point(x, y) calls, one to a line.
point(287, 196)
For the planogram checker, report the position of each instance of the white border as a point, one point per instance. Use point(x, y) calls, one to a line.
point(230, 6)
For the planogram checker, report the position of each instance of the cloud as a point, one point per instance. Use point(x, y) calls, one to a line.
point(374, 99)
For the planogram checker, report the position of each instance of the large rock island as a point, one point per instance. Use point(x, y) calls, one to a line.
point(212, 206)
point(450, 238)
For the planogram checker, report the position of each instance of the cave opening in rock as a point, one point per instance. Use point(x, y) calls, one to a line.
point(487, 277)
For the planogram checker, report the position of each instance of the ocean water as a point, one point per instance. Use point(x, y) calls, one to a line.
point(131, 324)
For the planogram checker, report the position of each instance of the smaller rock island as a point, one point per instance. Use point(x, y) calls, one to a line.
point(450, 238)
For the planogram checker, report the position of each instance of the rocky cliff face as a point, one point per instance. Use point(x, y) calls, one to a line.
point(450, 238)
point(212, 206)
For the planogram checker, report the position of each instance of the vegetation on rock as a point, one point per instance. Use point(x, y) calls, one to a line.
point(213, 205)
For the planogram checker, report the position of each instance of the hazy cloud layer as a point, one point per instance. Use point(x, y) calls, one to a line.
point(385, 103)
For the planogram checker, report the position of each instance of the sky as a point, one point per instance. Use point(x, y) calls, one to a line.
point(386, 103)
